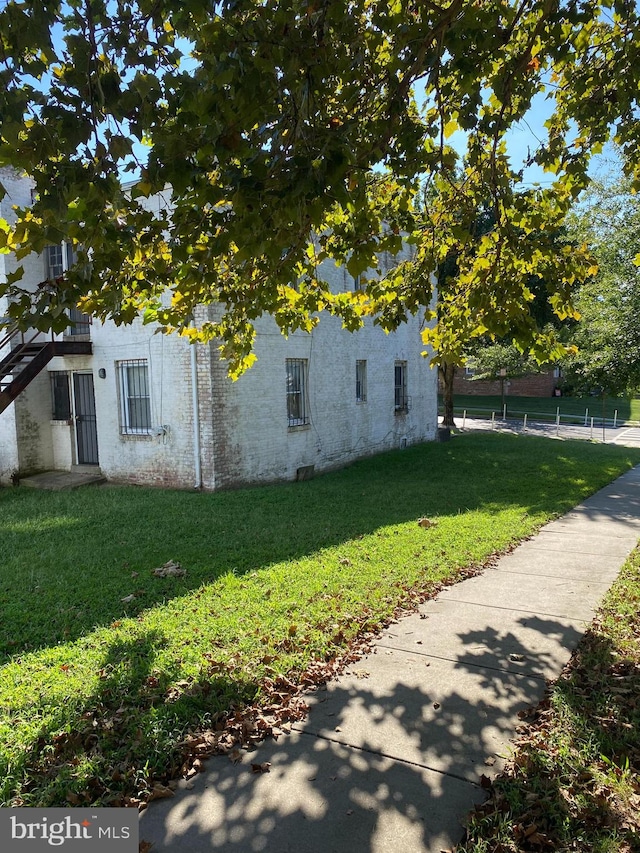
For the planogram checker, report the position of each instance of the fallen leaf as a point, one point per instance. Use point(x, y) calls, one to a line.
point(436, 705)
point(128, 599)
point(170, 569)
point(490, 761)
point(361, 673)
point(145, 846)
point(160, 792)
point(265, 767)
point(426, 522)
point(516, 658)
point(345, 562)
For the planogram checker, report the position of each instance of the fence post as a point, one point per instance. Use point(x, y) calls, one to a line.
point(592, 428)
point(464, 419)
point(558, 421)
point(493, 420)
point(615, 419)
point(504, 412)
point(524, 423)
point(586, 416)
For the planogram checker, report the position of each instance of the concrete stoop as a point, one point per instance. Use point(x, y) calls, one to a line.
point(81, 475)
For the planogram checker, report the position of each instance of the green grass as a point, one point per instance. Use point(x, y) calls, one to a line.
point(572, 409)
point(574, 781)
point(96, 694)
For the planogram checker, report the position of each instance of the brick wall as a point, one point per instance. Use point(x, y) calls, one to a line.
point(243, 429)
point(533, 385)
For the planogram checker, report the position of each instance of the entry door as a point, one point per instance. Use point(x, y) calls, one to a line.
point(86, 430)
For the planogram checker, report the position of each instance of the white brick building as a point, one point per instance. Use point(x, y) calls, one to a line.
point(153, 409)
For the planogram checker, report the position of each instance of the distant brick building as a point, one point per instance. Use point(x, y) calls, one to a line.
point(541, 384)
point(152, 409)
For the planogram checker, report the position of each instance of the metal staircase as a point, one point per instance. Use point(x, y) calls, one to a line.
point(26, 355)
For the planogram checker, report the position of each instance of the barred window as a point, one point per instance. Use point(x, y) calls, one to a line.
point(361, 381)
point(401, 402)
point(297, 406)
point(135, 399)
point(60, 395)
point(80, 322)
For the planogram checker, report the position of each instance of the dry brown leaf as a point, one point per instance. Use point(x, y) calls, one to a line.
point(160, 792)
point(427, 522)
point(171, 569)
point(265, 767)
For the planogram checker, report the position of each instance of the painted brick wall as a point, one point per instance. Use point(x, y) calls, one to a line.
point(253, 442)
point(242, 425)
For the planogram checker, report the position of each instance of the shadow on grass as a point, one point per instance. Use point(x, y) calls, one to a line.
point(70, 558)
point(122, 732)
point(569, 774)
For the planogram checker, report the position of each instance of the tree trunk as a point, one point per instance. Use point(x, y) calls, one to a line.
point(447, 374)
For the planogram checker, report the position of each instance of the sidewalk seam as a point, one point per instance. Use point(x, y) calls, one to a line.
point(520, 609)
point(387, 755)
point(466, 663)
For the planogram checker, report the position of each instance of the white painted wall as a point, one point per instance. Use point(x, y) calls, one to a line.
point(253, 440)
point(242, 425)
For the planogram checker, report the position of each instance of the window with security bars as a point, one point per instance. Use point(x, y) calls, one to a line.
point(297, 405)
point(401, 401)
point(60, 396)
point(361, 381)
point(135, 398)
point(80, 322)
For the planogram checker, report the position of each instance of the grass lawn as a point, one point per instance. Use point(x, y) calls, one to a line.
point(574, 780)
point(572, 409)
point(106, 670)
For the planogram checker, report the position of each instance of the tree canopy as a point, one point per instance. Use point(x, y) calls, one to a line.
point(296, 132)
point(607, 336)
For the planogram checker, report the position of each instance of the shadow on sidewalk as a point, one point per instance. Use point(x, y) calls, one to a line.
point(390, 759)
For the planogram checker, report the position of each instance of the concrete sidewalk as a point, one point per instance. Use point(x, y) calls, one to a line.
point(391, 755)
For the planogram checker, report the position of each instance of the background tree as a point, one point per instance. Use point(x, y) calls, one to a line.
point(607, 335)
point(291, 133)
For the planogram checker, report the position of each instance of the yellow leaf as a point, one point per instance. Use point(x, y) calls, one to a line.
point(450, 128)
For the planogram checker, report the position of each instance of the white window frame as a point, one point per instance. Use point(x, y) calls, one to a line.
point(65, 258)
point(128, 393)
